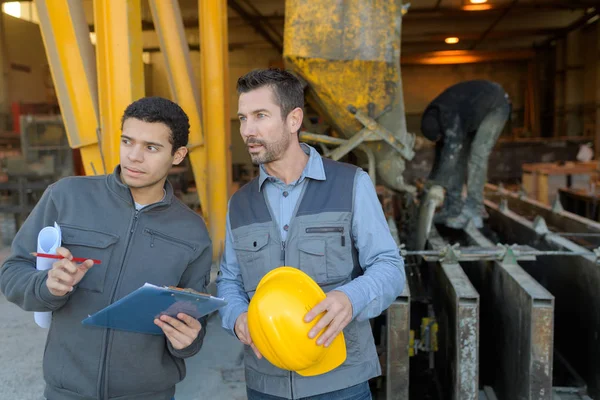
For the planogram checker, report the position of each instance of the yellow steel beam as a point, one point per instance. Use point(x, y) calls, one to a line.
point(215, 71)
point(73, 67)
point(118, 26)
point(173, 44)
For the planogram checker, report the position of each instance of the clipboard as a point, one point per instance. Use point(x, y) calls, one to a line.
point(136, 311)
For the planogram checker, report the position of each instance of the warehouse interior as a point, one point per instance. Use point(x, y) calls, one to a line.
point(521, 290)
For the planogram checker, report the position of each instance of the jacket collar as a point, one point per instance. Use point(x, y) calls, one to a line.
point(313, 170)
point(116, 185)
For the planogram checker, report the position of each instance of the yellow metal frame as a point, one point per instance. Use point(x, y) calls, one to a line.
point(173, 44)
point(215, 71)
point(72, 64)
point(120, 67)
point(92, 111)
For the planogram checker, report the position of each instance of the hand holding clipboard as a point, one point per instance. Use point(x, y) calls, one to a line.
point(136, 311)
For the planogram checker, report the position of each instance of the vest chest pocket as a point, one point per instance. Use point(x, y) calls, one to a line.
point(253, 257)
point(312, 259)
point(336, 262)
point(87, 243)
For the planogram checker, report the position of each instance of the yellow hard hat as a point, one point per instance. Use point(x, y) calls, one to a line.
point(276, 324)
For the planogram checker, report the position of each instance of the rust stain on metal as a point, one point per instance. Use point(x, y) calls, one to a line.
point(349, 54)
point(468, 373)
point(397, 359)
point(541, 351)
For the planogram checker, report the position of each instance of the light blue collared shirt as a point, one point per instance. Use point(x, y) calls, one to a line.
point(371, 293)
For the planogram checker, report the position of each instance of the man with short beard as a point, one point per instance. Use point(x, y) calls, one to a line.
point(318, 215)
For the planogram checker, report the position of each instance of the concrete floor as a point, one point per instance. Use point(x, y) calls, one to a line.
point(214, 373)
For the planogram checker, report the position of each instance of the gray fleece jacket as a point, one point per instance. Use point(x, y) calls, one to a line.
point(164, 244)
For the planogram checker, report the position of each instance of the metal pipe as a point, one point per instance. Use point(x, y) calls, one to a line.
point(120, 68)
point(315, 137)
point(577, 234)
point(73, 67)
point(433, 199)
point(173, 43)
point(496, 253)
point(371, 158)
point(215, 71)
point(4, 99)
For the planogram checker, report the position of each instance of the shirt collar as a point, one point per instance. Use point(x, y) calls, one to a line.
point(313, 169)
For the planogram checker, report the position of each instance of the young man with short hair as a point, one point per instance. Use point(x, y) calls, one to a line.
point(130, 221)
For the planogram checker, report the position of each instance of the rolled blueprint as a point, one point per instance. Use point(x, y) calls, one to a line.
point(49, 239)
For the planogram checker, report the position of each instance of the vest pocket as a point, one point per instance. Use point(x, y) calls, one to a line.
point(313, 260)
point(337, 262)
point(253, 257)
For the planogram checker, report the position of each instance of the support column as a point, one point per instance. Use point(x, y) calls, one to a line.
point(184, 88)
point(597, 145)
point(73, 66)
point(559, 89)
point(4, 98)
point(118, 26)
point(215, 73)
point(574, 87)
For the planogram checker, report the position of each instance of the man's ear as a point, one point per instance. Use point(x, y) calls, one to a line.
point(294, 119)
point(179, 155)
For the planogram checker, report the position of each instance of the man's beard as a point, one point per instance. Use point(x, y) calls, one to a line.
point(271, 151)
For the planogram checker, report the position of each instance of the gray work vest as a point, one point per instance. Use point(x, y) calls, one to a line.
point(319, 242)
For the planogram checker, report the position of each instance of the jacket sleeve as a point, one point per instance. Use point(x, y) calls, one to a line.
point(230, 286)
point(197, 277)
point(383, 279)
point(20, 281)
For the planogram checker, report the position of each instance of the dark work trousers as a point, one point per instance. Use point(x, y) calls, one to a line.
point(460, 157)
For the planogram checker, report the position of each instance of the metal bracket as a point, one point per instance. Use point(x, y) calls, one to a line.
point(557, 206)
point(403, 145)
point(540, 226)
point(522, 193)
point(451, 254)
point(509, 257)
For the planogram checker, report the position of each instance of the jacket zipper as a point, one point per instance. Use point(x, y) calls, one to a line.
point(112, 296)
point(154, 234)
point(329, 229)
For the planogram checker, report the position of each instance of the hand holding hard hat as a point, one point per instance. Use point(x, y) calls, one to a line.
point(279, 325)
point(241, 330)
point(338, 314)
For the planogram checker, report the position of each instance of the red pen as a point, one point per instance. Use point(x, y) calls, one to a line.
point(58, 257)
